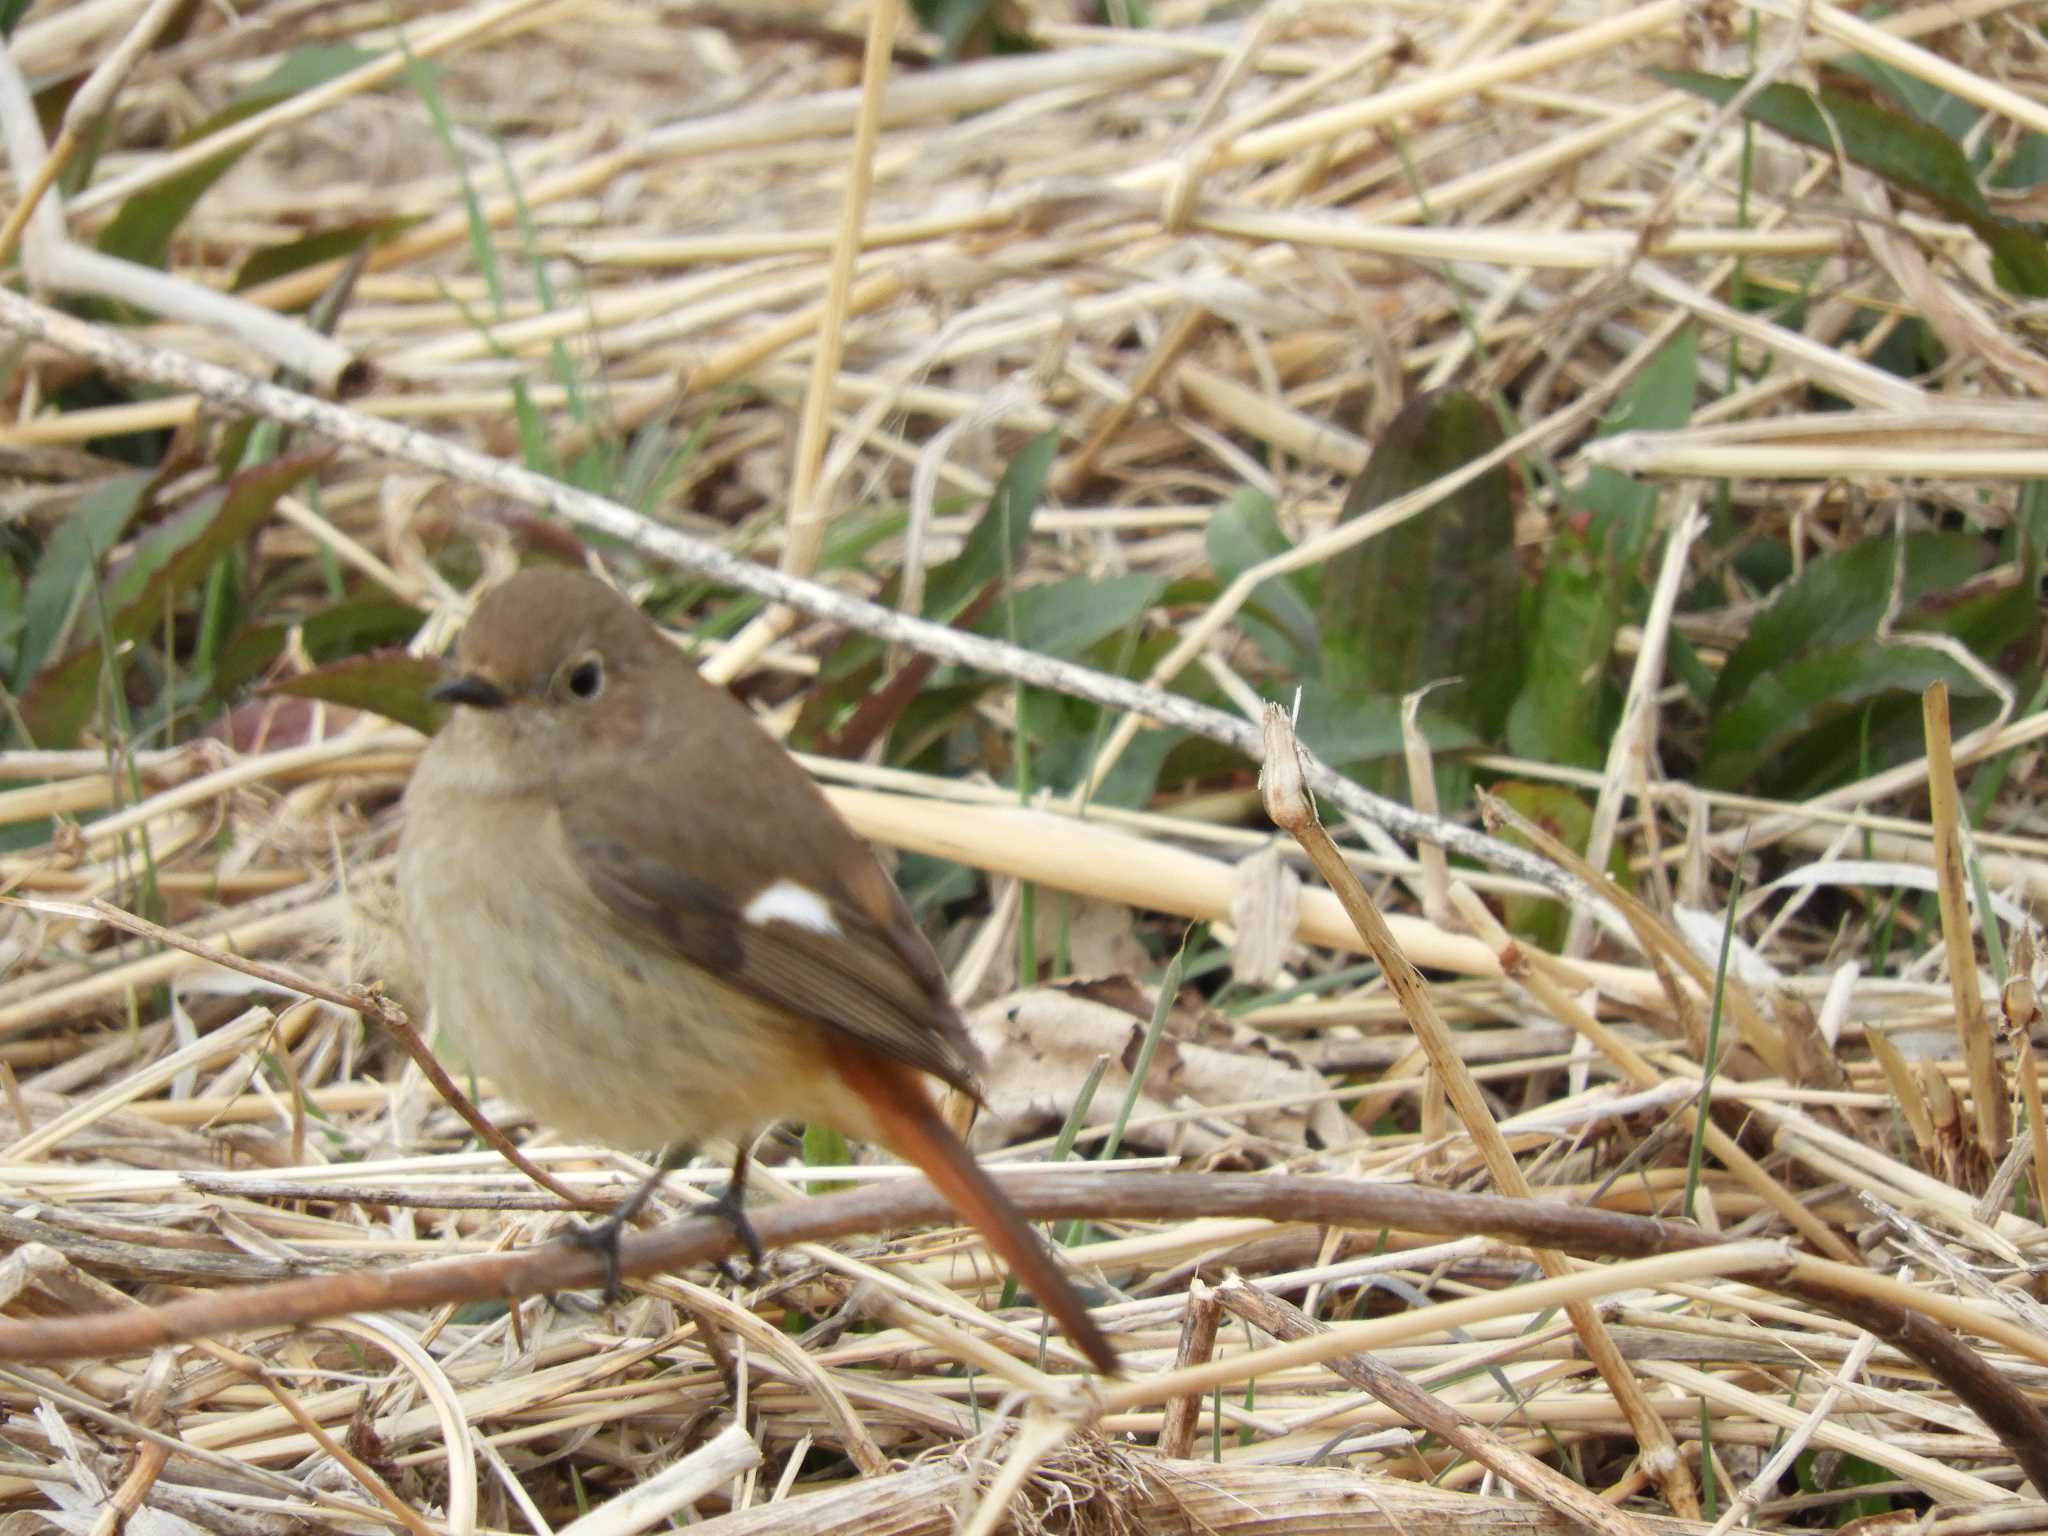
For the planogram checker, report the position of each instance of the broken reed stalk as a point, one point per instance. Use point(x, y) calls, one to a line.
point(1958, 931)
point(1285, 789)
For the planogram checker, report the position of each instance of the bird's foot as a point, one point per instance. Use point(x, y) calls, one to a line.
point(730, 1208)
point(602, 1239)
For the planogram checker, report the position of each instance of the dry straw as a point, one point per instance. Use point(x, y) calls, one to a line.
point(1211, 253)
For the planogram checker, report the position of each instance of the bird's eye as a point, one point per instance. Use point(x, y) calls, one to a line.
point(586, 678)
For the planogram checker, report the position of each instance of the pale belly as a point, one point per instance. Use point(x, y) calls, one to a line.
point(601, 1037)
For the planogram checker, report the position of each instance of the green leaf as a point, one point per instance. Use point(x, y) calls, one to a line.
point(68, 565)
point(365, 624)
point(12, 612)
point(1439, 596)
point(346, 629)
point(826, 1148)
point(968, 28)
point(1560, 716)
point(1947, 114)
point(1849, 1472)
point(1839, 599)
point(246, 657)
point(2030, 521)
point(2026, 167)
point(1064, 618)
point(853, 674)
point(142, 230)
point(277, 261)
point(1278, 619)
point(1913, 156)
point(1350, 730)
point(1811, 695)
point(393, 684)
point(1783, 705)
point(996, 545)
point(305, 68)
point(169, 559)
point(1659, 399)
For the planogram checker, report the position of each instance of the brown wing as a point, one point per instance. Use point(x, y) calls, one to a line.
point(858, 980)
point(696, 812)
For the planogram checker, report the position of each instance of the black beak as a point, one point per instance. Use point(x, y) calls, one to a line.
point(478, 692)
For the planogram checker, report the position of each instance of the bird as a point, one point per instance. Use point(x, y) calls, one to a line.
point(643, 920)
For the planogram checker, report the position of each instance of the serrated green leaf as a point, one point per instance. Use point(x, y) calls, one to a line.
point(246, 657)
point(1783, 705)
point(364, 624)
point(334, 634)
point(175, 554)
point(388, 683)
point(1839, 599)
point(1439, 596)
point(1913, 156)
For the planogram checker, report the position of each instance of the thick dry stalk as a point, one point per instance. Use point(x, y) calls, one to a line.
point(1197, 1344)
point(1531, 968)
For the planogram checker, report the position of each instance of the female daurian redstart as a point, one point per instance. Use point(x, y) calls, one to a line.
point(646, 924)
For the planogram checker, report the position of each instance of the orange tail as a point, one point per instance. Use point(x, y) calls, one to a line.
point(911, 1126)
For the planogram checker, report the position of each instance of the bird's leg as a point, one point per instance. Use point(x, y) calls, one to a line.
point(731, 1206)
point(602, 1237)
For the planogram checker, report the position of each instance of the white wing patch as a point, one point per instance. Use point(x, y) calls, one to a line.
point(787, 902)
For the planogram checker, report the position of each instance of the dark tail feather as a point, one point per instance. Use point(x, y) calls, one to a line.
point(911, 1126)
